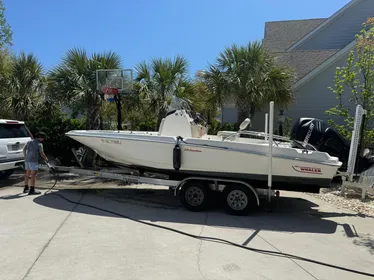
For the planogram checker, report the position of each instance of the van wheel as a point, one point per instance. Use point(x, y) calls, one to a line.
point(194, 196)
point(6, 174)
point(239, 200)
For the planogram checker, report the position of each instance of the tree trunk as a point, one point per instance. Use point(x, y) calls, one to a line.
point(94, 124)
point(242, 115)
point(252, 113)
point(161, 115)
point(221, 114)
point(101, 122)
point(94, 114)
point(88, 119)
point(119, 111)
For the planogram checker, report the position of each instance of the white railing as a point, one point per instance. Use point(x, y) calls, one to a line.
point(270, 164)
point(266, 126)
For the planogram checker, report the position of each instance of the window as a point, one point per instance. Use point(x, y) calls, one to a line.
point(13, 131)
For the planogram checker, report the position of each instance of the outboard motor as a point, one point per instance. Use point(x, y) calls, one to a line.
point(324, 138)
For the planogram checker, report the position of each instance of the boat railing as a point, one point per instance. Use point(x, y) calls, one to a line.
point(278, 140)
point(265, 135)
point(231, 135)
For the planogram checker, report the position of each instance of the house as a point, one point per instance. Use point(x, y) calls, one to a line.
point(313, 48)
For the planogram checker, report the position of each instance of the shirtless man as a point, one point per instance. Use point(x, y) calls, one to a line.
point(31, 152)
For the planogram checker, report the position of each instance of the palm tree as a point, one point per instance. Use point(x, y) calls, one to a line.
point(5, 97)
point(252, 78)
point(73, 81)
point(26, 84)
point(161, 79)
point(215, 86)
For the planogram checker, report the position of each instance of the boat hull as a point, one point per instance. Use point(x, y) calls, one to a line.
point(292, 169)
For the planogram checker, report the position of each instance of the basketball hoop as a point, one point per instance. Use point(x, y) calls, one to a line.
point(109, 93)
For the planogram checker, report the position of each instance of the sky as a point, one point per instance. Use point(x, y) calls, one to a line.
point(140, 30)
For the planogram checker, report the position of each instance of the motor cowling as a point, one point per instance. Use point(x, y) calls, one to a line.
point(322, 136)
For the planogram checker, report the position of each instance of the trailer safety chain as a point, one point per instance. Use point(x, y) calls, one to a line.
point(205, 238)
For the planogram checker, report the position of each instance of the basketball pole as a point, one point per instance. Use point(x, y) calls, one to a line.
point(120, 89)
point(117, 100)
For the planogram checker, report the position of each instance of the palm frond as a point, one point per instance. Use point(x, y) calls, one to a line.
point(26, 84)
point(161, 79)
point(250, 75)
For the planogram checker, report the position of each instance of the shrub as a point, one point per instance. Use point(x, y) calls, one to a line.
point(217, 126)
point(57, 144)
point(148, 125)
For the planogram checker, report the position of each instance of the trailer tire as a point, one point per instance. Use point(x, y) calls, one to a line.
point(239, 200)
point(194, 196)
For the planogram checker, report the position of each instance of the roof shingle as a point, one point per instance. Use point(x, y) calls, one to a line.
point(280, 35)
point(303, 62)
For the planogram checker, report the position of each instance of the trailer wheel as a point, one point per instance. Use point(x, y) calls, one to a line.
point(194, 196)
point(239, 200)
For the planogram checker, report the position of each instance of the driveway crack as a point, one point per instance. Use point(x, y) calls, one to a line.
point(200, 245)
point(295, 262)
point(299, 265)
point(49, 241)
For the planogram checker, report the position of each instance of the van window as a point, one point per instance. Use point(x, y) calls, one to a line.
point(13, 131)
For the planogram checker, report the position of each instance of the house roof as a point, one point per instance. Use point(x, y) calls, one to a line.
point(324, 24)
point(280, 35)
point(328, 62)
point(303, 62)
point(283, 37)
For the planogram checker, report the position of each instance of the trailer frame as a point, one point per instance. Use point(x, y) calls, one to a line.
point(248, 195)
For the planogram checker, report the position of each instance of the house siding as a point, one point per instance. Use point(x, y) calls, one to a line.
point(229, 114)
point(342, 30)
point(311, 100)
point(257, 122)
point(314, 97)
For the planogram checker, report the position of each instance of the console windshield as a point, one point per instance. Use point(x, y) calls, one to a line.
point(178, 103)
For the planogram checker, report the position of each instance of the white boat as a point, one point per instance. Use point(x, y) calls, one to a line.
point(181, 148)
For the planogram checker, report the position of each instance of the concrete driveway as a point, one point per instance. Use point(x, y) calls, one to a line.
point(47, 237)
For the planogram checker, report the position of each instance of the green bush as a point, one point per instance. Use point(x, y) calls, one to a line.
point(149, 125)
point(216, 126)
point(57, 144)
point(287, 127)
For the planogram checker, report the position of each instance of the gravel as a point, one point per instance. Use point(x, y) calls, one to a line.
point(351, 199)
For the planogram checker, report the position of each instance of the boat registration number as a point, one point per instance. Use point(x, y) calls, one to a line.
point(110, 141)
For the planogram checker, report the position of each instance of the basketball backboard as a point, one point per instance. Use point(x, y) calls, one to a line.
point(122, 79)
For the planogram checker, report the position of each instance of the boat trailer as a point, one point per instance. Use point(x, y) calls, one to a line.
point(195, 192)
point(239, 197)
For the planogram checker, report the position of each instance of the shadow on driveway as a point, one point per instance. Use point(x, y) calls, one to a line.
point(291, 215)
point(12, 180)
